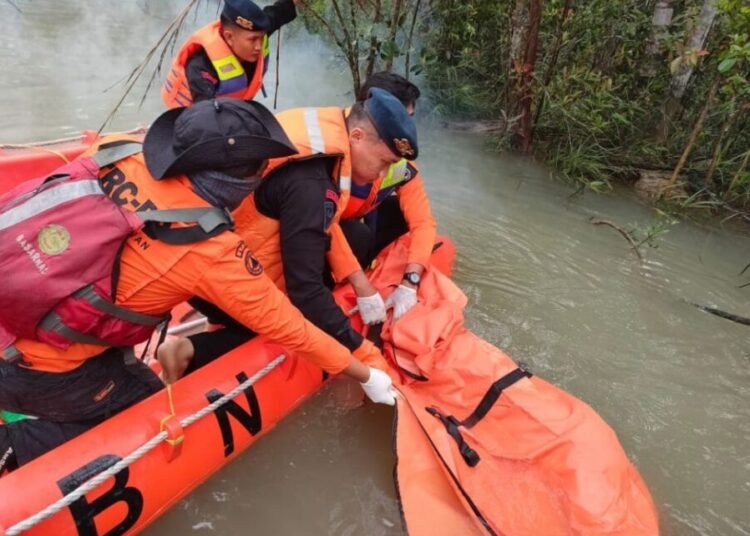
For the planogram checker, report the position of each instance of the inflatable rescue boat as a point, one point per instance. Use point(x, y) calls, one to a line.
point(482, 446)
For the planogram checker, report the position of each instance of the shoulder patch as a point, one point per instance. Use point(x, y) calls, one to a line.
point(252, 265)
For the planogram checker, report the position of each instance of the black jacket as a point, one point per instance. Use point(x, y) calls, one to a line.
point(299, 195)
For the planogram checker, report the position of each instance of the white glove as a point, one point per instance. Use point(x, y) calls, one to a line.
point(371, 308)
point(379, 388)
point(402, 299)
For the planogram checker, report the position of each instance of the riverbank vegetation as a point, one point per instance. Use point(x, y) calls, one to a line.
point(654, 92)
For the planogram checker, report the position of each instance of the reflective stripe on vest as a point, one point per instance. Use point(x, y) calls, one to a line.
point(318, 145)
point(231, 75)
point(397, 174)
point(266, 52)
point(319, 132)
point(48, 200)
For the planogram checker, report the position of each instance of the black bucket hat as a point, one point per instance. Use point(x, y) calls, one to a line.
point(225, 134)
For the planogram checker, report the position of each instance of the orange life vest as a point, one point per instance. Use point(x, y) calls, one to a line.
point(233, 80)
point(316, 133)
point(366, 198)
point(129, 184)
point(520, 455)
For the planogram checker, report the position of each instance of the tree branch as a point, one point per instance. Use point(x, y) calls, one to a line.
point(623, 232)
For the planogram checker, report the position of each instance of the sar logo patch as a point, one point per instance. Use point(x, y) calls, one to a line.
point(252, 264)
point(53, 239)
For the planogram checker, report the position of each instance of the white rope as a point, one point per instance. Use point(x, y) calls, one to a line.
point(61, 141)
point(138, 453)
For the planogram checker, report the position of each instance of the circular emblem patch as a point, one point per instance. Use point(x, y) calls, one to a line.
point(53, 239)
point(252, 265)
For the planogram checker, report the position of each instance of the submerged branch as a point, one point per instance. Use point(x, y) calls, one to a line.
point(623, 232)
point(723, 314)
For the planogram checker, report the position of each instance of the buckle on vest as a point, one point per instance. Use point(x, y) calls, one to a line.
point(11, 355)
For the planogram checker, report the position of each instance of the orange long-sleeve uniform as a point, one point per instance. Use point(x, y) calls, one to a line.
point(155, 276)
point(404, 178)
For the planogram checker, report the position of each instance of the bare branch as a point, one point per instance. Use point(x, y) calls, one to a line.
point(623, 232)
point(336, 39)
point(278, 62)
point(169, 36)
point(13, 5)
point(410, 37)
point(395, 17)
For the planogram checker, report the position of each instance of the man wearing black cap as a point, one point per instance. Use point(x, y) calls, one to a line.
point(197, 157)
point(292, 216)
point(228, 57)
point(379, 212)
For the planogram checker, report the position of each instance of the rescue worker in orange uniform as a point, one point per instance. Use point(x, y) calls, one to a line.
point(381, 211)
point(292, 217)
point(207, 155)
point(227, 57)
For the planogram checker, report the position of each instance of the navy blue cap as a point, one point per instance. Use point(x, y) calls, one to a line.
point(246, 14)
point(393, 123)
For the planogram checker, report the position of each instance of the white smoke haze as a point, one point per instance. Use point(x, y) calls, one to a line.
point(65, 65)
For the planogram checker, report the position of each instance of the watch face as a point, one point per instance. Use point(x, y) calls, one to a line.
point(413, 278)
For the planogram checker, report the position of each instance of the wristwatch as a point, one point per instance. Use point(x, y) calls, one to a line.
point(413, 278)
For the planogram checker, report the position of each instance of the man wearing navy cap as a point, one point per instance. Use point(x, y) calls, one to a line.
point(227, 57)
point(292, 217)
point(397, 203)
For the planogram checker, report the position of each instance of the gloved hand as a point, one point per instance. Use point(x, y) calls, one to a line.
point(402, 299)
point(371, 308)
point(369, 354)
point(379, 388)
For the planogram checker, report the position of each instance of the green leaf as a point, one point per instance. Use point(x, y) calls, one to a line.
point(598, 186)
point(727, 64)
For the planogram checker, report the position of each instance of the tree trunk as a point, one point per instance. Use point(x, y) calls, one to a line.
point(520, 30)
point(694, 134)
point(737, 175)
point(660, 23)
point(680, 79)
point(564, 15)
point(695, 43)
point(373, 41)
point(718, 146)
point(524, 43)
point(409, 39)
point(395, 18)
